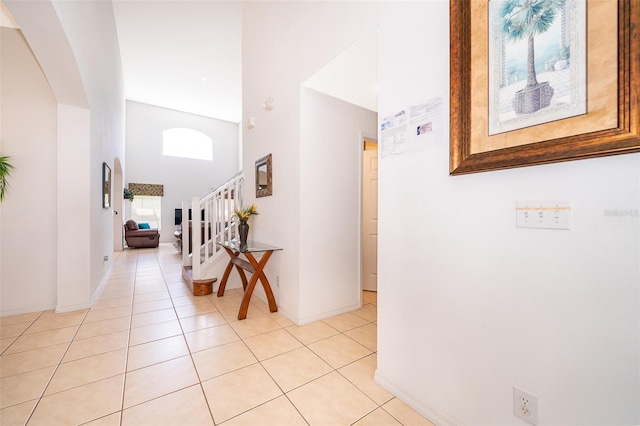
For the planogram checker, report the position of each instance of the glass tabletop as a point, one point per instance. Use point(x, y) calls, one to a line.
point(250, 247)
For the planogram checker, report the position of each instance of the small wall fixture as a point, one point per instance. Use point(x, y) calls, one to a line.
point(269, 104)
point(251, 123)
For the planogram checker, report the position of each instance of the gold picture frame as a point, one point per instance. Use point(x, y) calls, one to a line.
point(471, 150)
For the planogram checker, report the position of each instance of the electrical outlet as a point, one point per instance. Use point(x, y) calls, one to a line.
point(525, 405)
point(278, 281)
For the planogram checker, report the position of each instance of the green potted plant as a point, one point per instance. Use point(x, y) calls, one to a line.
point(128, 195)
point(243, 215)
point(5, 172)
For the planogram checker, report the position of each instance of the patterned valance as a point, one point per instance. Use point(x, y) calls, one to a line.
point(150, 189)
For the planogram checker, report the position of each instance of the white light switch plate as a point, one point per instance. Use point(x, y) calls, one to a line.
point(546, 214)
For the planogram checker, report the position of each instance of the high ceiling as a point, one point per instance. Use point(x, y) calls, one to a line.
point(187, 55)
point(183, 55)
point(352, 75)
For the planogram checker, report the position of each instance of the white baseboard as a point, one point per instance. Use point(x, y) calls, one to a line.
point(77, 307)
point(27, 310)
point(327, 314)
point(96, 293)
point(436, 417)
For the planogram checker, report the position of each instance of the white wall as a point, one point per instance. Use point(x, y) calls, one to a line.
point(183, 178)
point(469, 305)
point(284, 43)
point(28, 221)
point(77, 48)
point(330, 186)
point(73, 249)
point(91, 30)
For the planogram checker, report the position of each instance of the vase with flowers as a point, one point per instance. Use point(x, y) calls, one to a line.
point(243, 215)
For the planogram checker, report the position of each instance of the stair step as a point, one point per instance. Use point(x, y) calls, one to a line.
point(198, 287)
point(216, 223)
point(203, 287)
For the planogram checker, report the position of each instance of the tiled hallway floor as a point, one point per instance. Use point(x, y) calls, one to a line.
point(150, 353)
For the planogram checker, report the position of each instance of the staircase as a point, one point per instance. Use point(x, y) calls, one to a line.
point(216, 223)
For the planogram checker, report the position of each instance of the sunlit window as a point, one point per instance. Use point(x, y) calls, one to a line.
point(147, 209)
point(187, 143)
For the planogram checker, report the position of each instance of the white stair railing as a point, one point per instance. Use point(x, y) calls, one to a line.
point(216, 223)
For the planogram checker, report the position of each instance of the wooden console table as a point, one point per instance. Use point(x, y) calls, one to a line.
point(253, 266)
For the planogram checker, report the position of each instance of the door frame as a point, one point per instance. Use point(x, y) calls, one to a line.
point(118, 206)
point(362, 137)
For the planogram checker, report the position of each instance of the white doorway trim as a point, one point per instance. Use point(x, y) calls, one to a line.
point(364, 136)
point(118, 207)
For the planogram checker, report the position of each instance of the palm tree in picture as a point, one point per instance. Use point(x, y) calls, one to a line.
point(525, 19)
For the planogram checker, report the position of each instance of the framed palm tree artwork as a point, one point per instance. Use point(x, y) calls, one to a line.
point(537, 62)
point(542, 81)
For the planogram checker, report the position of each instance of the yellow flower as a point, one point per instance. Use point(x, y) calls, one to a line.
point(244, 214)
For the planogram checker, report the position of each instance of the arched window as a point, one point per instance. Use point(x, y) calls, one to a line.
point(187, 143)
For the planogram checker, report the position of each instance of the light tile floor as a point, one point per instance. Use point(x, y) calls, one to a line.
point(150, 353)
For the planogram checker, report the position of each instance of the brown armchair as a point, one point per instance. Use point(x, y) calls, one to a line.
point(136, 237)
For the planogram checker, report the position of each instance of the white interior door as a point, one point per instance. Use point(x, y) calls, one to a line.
point(370, 220)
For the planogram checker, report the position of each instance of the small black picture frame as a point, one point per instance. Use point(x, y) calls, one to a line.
point(106, 186)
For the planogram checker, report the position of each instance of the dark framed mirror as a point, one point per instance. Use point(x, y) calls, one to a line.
point(264, 182)
point(106, 186)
